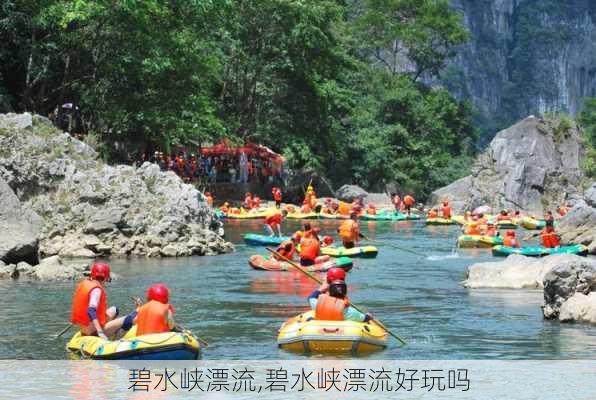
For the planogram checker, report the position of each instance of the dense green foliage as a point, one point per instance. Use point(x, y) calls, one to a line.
point(587, 119)
point(303, 76)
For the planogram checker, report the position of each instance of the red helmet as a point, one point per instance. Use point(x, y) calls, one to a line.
point(327, 240)
point(510, 233)
point(336, 274)
point(100, 269)
point(158, 292)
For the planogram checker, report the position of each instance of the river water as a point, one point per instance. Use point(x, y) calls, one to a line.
point(238, 310)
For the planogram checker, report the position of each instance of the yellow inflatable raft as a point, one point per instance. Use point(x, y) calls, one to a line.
point(359, 251)
point(299, 215)
point(158, 346)
point(471, 241)
point(439, 221)
point(305, 334)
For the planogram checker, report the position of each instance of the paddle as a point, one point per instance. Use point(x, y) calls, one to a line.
point(138, 303)
point(63, 331)
point(314, 278)
point(392, 245)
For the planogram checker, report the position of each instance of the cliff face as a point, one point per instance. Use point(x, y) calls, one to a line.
point(525, 57)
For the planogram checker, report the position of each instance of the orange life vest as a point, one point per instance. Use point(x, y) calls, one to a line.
point(344, 208)
point(348, 230)
point(152, 318)
point(277, 195)
point(549, 239)
point(510, 241)
point(309, 248)
point(330, 308)
point(273, 220)
point(432, 214)
point(282, 250)
point(409, 200)
point(447, 212)
point(502, 217)
point(80, 303)
point(473, 229)
point(491, 231)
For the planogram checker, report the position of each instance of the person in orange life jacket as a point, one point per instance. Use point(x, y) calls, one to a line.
point(225, 208)
point(330, 303)
point(248, 202)
point(408, 203)
point(349, 231)
point(491, 230)
point(548, 236)
point(273, 222)
point(157, 315)
point(433, 213)
point(287, 248)
point(277, 196)
point(309, 249)
point(473, 227)
point(503, 216)
point(446, 210)
point(209, 199)
point(371, 210)
point(90, 304)
point(509, 240)
point(256, 202)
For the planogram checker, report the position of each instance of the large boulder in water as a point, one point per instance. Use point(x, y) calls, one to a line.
point(532, 166)
point(350, 192)
point(514, 272)
point(570, 289)
point(579, 224)
point(18, 236)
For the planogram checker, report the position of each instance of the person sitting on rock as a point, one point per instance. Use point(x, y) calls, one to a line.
point(510, 240)
point(90, 309)
point(157, 315)
point(549, 237)
point(330, 303)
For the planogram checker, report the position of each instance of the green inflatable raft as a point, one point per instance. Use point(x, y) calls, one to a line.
point(539, 251)
point(389, 217)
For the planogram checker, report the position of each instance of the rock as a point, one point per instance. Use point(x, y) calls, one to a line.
point(16, 121)
point(531, 166)
point(169, 251)
point(580, 308)
point(570, 276)
point(579, 225)
point(18, 237)
point(515, 272)
point(590, 195)
point(153, 252)
point(67, 192)
point(350, 192)
point(54, 269)
point(8, 271)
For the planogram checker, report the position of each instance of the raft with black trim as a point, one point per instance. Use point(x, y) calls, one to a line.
point(299, 215)
point(532, 223)
point(360, 251)
point(439, 221)
point(473, 241)
point(539, 251)
point(254, 239)
point(266, 264)
point(156, 346)
point(506, 224)
point(304, 334)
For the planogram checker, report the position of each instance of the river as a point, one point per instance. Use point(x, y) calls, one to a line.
point(238, 310)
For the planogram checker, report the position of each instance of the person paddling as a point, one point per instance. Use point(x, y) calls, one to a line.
point(330, 303)
point(549, 237)
point(349, 231)
point(90, 309)
point(157, 315)
point(287, 248)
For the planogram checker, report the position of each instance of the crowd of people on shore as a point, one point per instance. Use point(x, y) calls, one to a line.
point(241, 168)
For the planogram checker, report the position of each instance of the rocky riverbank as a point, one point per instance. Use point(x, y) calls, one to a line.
point(579, 224)
point(59, 199)
point(568, 281)
point(532, 166)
